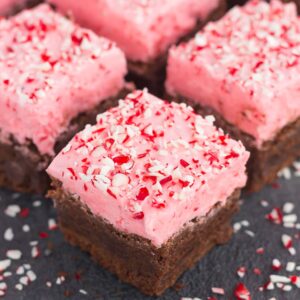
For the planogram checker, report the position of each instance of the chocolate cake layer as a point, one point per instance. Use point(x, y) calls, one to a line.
point(22, 167)
point(134, 259)
point(153, 74)
point(265, 162)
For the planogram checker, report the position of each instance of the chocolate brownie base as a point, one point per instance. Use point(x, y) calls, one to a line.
point(22, 167)
point(134, 259)
point(265, 162)
point(153, 74)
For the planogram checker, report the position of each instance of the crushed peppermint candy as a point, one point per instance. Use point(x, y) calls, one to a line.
point(14, 254)
point(46, 55)
point(12, 210)
point(132, 171)
point(245, 46)
point(8, 234)
point(241, 292)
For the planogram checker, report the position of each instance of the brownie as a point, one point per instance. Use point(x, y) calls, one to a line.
point(124, 254)
point(151, 188)
point(17, 160)
point(57, 87)
point(233, 62)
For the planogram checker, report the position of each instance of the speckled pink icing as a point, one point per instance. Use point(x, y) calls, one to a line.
point(149, 167)
point(143, 29)
point(7, 5)
point(51, 70)
point(246, 66)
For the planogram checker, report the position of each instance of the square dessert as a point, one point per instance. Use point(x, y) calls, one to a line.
point(55, 76)
point(149, 189)
point(144, 30)
point(245, 70)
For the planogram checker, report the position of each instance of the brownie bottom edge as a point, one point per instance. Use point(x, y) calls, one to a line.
point(134, 259)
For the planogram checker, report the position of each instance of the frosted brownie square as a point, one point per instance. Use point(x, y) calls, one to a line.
point(144, 30)
point(55, 76)
point(245, 68)
point(149, 189)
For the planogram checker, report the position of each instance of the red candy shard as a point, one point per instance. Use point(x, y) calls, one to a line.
point(24, 212)
point(122, 159)
point(165, 180)
point(138, 215)
point(109, 191)
point(184, 163)
point(143, 193)
point(241, 292)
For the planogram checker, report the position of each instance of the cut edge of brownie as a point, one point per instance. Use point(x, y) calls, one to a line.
point(265, 162)
point(22, 167)
point(134, 259)
point(153, 74)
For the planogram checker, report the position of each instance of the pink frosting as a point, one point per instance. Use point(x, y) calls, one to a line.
point(246, 66)
point(149, 167)
point(7, 5)
point(144, 29)
point(51, 70)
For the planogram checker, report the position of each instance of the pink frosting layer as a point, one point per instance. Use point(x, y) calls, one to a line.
point(246, 66)
point(7, 5)
point(149, 167)
point(51, 70)
point(144, 29)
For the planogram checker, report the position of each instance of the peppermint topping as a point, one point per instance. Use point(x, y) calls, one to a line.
point(59, 70)
point(257, 43)
point(29, 40)
point(149, 152)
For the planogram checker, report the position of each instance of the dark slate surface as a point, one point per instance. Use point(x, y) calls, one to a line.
point(218, 269)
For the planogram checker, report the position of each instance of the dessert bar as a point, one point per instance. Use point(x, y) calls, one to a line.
point(149, 189)
point(55, 76)
point(245, 70)
point(144, 30)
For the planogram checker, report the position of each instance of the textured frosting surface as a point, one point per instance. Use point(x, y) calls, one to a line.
point(51, 70)
point(142, 28)
point(246, 66)
point(148, 167)
point(7, 5)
